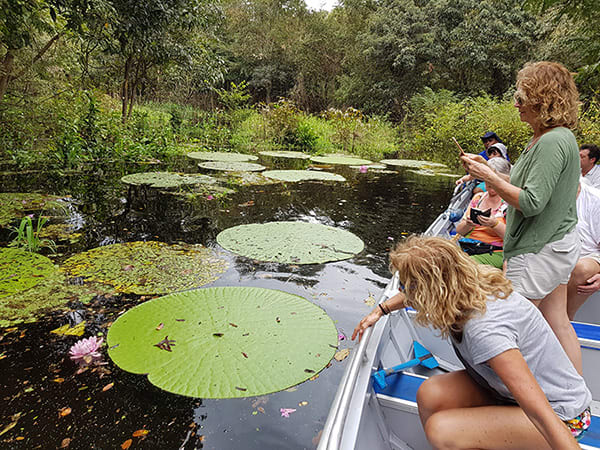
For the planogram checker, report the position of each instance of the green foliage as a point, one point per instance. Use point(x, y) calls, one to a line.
point(237, 97)
point(427, 133)
point(28, 235)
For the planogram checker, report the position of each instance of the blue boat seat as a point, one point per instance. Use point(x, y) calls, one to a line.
point(404, 386)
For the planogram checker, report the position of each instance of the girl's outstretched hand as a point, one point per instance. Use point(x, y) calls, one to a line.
point(366, 322)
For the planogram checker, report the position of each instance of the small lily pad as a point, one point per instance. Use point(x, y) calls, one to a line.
point(410, 163)
point(257, 357)
point(165, 180)
point(232, 166)
point(291, 242)
point(147, 268)
point(302, 175)
point(340, 160)
point(16, 205)
point(285, 154)
point(221, 156)
point(21, 270)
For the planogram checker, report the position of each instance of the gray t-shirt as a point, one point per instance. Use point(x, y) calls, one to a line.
point(516, 323)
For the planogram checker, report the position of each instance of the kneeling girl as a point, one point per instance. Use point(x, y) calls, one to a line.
point(519, 389)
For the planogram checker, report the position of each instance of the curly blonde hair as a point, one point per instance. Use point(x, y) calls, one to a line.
point(550, 89)
point(444, 285)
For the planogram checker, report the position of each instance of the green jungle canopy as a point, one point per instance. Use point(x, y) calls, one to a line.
point(147, 268)
point(340, 159)
point(164, 180)
point(302, 175)
point(232, 166)
point(291, 242)
point(224, 342)
point(221, 156)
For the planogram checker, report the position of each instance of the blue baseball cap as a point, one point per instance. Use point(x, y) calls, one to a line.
point(490, 135)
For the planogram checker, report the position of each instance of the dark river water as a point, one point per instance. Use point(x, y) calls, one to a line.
point(378, 207)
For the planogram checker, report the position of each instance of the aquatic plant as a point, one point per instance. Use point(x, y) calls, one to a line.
point(224, 342)
point(302, 175)
point(86, 350)
point(291, 242)
point(28, 235)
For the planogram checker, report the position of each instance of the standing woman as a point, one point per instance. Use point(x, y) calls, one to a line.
point(541, 246)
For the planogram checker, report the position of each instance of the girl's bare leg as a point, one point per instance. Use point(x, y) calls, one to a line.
point(584, 270)
point(457, 413)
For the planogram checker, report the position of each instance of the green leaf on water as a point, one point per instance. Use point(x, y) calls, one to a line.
point(302, 175)
point(340, 159)
point(166, 180)
point(147, 268)
point(291, 242)
point(232, 166)
point(221, 156)
point(201, 365)
point(285, 154)
point(21, 270)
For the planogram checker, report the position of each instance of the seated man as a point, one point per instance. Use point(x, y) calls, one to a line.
point(491, 139)
point(590, 156)
point(585, 278)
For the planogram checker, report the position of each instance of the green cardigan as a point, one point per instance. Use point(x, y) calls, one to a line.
point(548, 175)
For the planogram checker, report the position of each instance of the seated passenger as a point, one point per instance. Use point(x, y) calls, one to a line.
point(585, 278)
point(493, 151)
point(589, 156)
point(489, 230)
point(519, 389)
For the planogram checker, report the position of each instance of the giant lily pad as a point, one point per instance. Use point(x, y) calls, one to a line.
point(302, 175)
point(21, 270)
point(165, 180)
point(54, 292)
point(16, 205)
point(232, 166)
point(291, 242)
point(147, 268)
point(285, 154)
point(410, 163)
point(221, 156)
point(432, 173)
point(340, 159)
point(224, 342)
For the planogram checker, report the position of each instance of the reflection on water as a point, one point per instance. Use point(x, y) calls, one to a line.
point(379, 208)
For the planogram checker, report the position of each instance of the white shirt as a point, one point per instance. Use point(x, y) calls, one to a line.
point(588, 215)
point(593, 176)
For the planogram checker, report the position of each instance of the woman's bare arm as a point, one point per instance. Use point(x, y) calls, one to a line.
point(511, 367)
point(391, 304)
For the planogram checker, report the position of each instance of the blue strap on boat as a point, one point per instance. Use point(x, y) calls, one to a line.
point(422, 357)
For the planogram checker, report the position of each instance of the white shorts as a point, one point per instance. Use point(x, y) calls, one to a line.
point(535, 275)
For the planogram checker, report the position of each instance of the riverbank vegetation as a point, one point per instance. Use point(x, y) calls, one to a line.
point(83, 82)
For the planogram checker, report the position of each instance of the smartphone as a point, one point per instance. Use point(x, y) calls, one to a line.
point(462, 152)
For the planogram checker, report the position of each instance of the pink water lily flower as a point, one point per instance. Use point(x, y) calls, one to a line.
point(285, 412)
point(86, 348)
point(210, 197)
point(363, 169)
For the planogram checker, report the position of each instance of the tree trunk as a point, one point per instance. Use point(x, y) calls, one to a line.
point(125, 89)
point(6, 71)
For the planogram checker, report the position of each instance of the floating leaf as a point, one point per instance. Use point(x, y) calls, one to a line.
point(303, 403)
point(107, 387)
point(125, 445)
point(65, 443)
point(159, 267)
point(68, 330)
point(58, 380)
point(142, 432)
point(21, 270)
point(340, 159)
point(17, 205)
point(291, 242)
point(208, 367)
point(342, 354)
point(285, 412)
point(302, 175)
point(166, 180)
point(160, 326)
point(370, 300)
point(285, 154)
point(232, 166)
point(221, 156)
point(64, 412)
